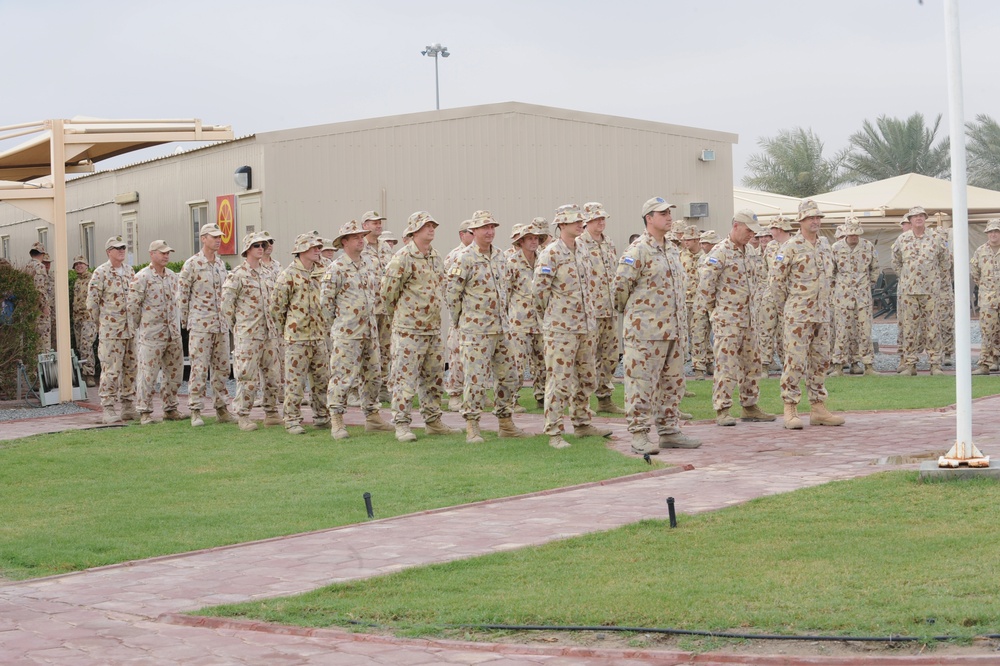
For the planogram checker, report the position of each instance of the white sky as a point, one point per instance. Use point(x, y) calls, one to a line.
point(752, 68)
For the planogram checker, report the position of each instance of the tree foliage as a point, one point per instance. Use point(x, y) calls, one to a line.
point(18, 314)
point(894, 147)
point(983, 150)
point(793, 164)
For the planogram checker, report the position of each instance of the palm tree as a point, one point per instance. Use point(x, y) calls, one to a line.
point(793, 164)
point(894, 147)
point(983, 150)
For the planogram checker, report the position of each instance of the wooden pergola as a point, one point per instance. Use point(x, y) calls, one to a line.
point(33, 178)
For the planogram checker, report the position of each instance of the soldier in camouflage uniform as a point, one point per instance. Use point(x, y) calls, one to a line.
point(40, 278)
point(691, 255)
point(525, 333)
point(411, 292)
point(199, 295)
point(455, 384)
point(855, 270)
point(563, 290)
point(269, 269)
point(246, 299)
point(920, 258)
point(946, 303)
point(727, 281)
point(702, 358)
point(476, 294)
point(771, 328)
point(603, 260)
point(649, 290)
point(985, 265)
point(378, 256)
point(107, 300)
point(801, 283)
point(152, 309)
point(348, 296)
point(298, 315)
point(84, 328)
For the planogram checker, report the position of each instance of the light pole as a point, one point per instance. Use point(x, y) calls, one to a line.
point(433, 50)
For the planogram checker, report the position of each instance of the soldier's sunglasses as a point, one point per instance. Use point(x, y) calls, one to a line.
point(256, 245)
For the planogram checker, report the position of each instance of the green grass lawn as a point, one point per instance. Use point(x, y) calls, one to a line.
point(87, 498)
point(869, 557)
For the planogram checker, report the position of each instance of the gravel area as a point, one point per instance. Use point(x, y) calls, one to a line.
point(10, 413)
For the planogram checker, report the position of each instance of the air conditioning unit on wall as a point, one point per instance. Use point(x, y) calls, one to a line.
point(697, 209)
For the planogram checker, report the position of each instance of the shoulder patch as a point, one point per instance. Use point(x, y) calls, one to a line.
point(545, 270)
point(712, 260)
point(779, 257)
point(628, 260)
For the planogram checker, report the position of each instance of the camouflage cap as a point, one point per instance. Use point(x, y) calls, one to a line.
point(38, 247)
point(464, 226)
point(79, 259)
point(808, 208)
point(482, 218)
point(691, 233)
point(387, 236)
point(305, 242)
point(781, 222)
point(655, 205)
point(747, 217)
point(351, 228)
point(593, 210)
point(916, 210)
point(567, 214)
point(266, 236)
point(114, 241)
point(903, 221)
point(993, 225)
point(210, 230)
point(371, 215)
point(709, 237)
point(328, 244)
point(160, 246)
point(417, 220)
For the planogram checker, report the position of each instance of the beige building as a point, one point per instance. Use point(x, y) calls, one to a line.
point(517, 160)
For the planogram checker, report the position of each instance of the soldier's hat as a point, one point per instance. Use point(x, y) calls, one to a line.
point(371, 215)
point(79, 259)
point(655, 205)
point(781, 222)
point(541, 227)
point(764, 231)
point(116, 242)
point(808, 208)
point(709, 237)
point(852, 227)
point(417, 220)
point(351, 228)
point(522, 230)
point(482, 218)
point(464, 226)
point(691, 233)
point(913, 212)
point(39, 250)
point(266, 236)
point(993, 225)
point(249, 240)
point(387, 236)
point(567, 214)
point(305, 242)
point(161, 246)
point(747, 217)
point(210, 229)
point(593, 210)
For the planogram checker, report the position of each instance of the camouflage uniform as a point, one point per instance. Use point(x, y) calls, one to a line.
point(855, 271)
point(525, 334)
point(476, 294)
point(920, 262)
point(650, 292)
point(946, 301)
point(298, 314)
point(348, 298)
point(985, 266)
point(84, 328)
point(727, 281)
point(43, 325)
point(199, 295)
point(603, 259)
point(378, 256)
point(564, 303)
point(246, 299)
point(770, 327)
point(801, 283)
point(455, 384)
point(152, 308)
point(411, 293)
point(52, 302)
point(107, 300)
point(690, 261)
point(269, 273)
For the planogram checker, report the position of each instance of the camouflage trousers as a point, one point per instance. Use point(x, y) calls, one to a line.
point(701, 340)
point(384, 323)
point(117, 371)
point(769, 332)
point(529, 352)
point(946, 322)
point(485, 356)
point(654, 384)
point(989, 325)
point(455, 384)
point(417, 370)
point(156, 356)
point(919, 328)
point(853, 338)
point(306, 365)
point(807, 356)
point(737, 364)
point(256, 366)
point(43, 326)
point(570, 379)
point(209, 356)
point(606, 351)
point(354, 362)
point(86, 335)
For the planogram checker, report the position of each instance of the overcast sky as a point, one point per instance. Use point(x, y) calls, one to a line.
point(751, 68)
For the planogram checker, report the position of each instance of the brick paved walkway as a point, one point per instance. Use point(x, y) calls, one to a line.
point(129, 613)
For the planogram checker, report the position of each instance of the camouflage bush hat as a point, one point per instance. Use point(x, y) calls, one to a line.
point(160, 246)
point(993, 225)
point(79, 259)
point(266, 236)
point(352, 228)
point(655, 205)
point(852, 227)
point(210, 229)
point(417, 220)
point(916, 210)
point(464, 226)
point(482, 218)
point(255, 237)
point(709, 237)
point(371, 215)
point(592, 210)
point(386, 236)
point(114, 242)
point(839, 232)
point(764, 232)
point(747, 217)
point(781, 222)
point(567, 214)
point(691, 233)
point(903, 221)
point(305, 242)
point(522, 230)
point(808, 208)
point(38, 247)
point(541, 227)
point(328, 244)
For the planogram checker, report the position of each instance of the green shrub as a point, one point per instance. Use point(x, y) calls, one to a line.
point(18, 316)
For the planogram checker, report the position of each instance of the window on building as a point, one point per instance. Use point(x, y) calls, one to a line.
point(199, 217)
point(5, 247)
point(88, 242)
point(43, 236)
point(130, 234)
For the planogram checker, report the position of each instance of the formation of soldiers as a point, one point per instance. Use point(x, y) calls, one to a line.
point(355, 315)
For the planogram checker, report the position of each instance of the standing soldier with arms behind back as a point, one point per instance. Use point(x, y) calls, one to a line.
point(855, 270)
point(455, 385)
point(152, 308)
point(771, 327)
point(603, 260)
point(379, 255)
point(107, 300)
point(40, 278)
point(199, 294)
point(84, 327)
point(525, 333)
point(985, 266)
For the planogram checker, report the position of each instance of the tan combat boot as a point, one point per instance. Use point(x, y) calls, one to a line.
point(337, 429)
point(870, 369)
point(557, 442)
point(608, 406)
point(982, 369)
point(146, 418)
point(590, 430)
point(223, 415)
point(820, 415)
point(247, 424)
point(684, 416)
point(936, 370)
point(508, 429)
point(296, 429)
point(838, 371)
point(373, 423)
point(404, 434)
point(110, 416)
point(698, 374)
point(172, 415)
point(89, 380)
point(754, 414)
point(128, 411)
point(792, 420)
point(907, 369)
point(272, 419)
point(678, 440)
point(455, 403)
point(438, 427)
point(643, 444)
point(723, 418)
point(472, 435)
point(196, 420)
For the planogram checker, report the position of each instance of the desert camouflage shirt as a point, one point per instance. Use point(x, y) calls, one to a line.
point(985, 265)
point(726, 284)
point(152, 306)
point(920, 262)
point(199, 294)
point(295, 303)
point(40, 278)
point(80, 288)
point(563, 289)
point(246, 300)
point(378, 257)
point(855, 271)
point(519, 275)
point(801, 280)
point(603, 263)
point(649, 291)
point(107, 300)
point(411, 290)
point(690, 261)
point(476, 292)
point(348, 297)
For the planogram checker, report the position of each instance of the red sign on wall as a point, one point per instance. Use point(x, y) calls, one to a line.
point(225, 217)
